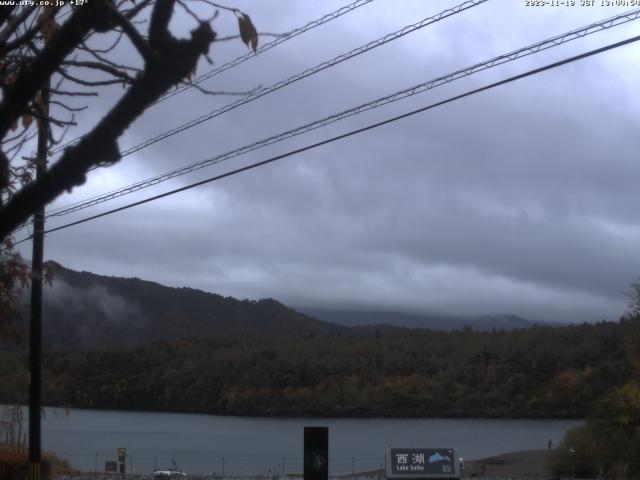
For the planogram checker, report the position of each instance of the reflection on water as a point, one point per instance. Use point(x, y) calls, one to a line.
point(203, 444)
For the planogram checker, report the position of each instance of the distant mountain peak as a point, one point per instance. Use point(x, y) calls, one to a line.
point(431, 321)
point(83, 309)
point(501, 321)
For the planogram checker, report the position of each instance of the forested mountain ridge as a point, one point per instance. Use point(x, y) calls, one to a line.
point(133, 344)
point(84, 310)
point(432, 321)
point(541, 372)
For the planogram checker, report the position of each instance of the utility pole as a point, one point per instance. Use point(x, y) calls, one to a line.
point(35, 334)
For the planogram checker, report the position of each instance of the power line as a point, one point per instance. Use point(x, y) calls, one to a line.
point(355, 132)
point(243, 58)
point(310, 71)
point(306, 73)
point(330, 63)
point(406, 93)
point(281, 39)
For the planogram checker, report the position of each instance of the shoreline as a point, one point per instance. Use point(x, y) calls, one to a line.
point(302, 416)
point(519, 464)
point(524, 464)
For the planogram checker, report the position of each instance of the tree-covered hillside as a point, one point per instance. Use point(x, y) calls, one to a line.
point(608, 444)
point(85, 310)
point(537, 372)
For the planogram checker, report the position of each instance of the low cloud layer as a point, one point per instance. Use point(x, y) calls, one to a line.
point(521, 199)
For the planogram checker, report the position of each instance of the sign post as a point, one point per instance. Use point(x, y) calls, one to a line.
point(122, 455)
point(421, 463)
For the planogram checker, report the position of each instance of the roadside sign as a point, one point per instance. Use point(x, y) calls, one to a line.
point(421, 463)
point(122, 453)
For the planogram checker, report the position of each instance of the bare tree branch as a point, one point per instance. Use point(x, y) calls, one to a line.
point(223, 92)
point(106, 61)
point(122, 75)
point(11, 28)
point(131, 13)
point(223, 7)
point(235, 37)
point(30, 79)
point(158, 30)
point(83, 45)
point(25, 137)
point(5, 13)
point(136, 39)
point(174, 61)
point(67, 107)
point(74, 94)
point(88, 83)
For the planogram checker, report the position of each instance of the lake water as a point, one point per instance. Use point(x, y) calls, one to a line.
point(203, 444)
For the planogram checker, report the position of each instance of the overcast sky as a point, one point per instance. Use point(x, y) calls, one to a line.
point(521, 199)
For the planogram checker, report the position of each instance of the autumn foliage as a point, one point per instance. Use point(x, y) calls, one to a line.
point(543, 372)
point(13, 464)
point(608, 445)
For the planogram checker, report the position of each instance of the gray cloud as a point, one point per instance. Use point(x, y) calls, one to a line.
point(520, 199)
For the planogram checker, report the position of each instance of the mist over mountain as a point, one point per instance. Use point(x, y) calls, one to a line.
point(82, 309)
point(135, 344)
point(86, 310)
point(432, 321)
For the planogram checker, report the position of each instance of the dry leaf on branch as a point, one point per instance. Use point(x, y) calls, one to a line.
point(248, 32)
point(191, 73)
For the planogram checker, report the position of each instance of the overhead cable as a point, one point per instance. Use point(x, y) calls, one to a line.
point(307, 73)
point(402, 94)
point(267, 46)
point(243, 58)
point(529, 73)
point(310, 71)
